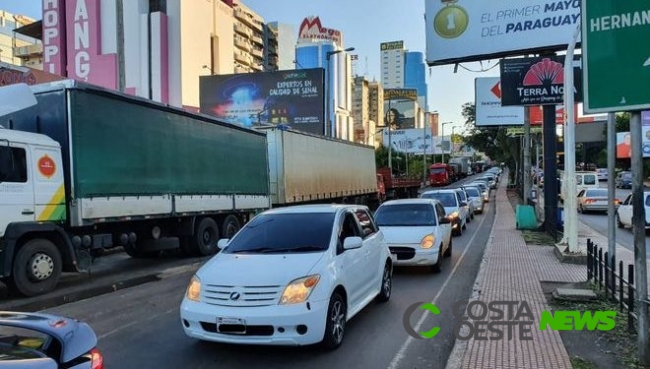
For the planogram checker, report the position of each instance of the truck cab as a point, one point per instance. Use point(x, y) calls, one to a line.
point(439, 174)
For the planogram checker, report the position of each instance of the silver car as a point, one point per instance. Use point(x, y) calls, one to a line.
point(475, 198)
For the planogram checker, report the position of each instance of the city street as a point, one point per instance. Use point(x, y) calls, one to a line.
point(140, 328)
point(598, 221)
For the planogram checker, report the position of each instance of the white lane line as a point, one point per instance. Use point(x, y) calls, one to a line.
point(401, 353)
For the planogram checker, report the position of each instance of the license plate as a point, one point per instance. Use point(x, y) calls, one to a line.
point(231, 325)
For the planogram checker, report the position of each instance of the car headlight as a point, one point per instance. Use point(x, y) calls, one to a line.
point(299, 290)
point(194, 289)
point(428, 241)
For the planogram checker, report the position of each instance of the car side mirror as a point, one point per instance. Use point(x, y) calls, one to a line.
point(352, 243)
point(462, 204)
point(445, 220)
point(223, 243)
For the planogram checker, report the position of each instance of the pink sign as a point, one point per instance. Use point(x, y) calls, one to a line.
point(85, 61)
point(54, 36)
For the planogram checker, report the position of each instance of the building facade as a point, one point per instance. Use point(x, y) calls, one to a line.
point(287, 38)
point(16, 48)
point(392, 64)
point(415, 76)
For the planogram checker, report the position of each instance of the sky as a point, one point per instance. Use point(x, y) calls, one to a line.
point(364, 24)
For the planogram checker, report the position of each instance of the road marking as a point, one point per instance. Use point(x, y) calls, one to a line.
point(151, 317)
point(401, 353)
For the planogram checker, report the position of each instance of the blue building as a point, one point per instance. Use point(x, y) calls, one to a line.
point(415, 76)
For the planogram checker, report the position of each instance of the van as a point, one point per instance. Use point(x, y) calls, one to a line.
point(584, 180)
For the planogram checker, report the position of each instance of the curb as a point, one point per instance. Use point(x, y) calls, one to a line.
point(37, 304)
point(455, 359)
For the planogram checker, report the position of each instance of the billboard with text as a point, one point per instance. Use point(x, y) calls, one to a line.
point(415, 141)
point(471, 30)
point(489, 111)
point(290, 97)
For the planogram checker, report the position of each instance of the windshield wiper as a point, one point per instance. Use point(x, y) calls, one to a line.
point(298, 248)
point(258, 249)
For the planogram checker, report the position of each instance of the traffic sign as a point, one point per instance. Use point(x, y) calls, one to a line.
point(616, 65)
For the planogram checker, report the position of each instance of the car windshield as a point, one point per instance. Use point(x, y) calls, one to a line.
point(447, 199)
point(626, 175)
point(437, 170)
point(590, 179)
point(405, 215)
point(473, 192)
point(596, 193)
point(296, 232)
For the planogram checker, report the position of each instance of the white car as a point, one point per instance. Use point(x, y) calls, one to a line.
point(417, 231)
point(476, 198)
point(290, 276)
point(602, 174)
point(469, 206)
point(454, 208)
point(624, 211)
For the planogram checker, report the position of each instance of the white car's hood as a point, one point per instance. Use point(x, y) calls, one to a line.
point(258, 269)
point(405, 235)
point(451, 209)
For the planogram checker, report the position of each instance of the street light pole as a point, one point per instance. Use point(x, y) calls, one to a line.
point(328, 87)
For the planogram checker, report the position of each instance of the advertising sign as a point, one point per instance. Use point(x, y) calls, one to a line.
point(400, 105)
point(470, 30)
point(414, 141)
point(311, 28)
point(537, 81)
point(489, 111)
point(393, 45)
point(291, 97)
point(400, 94)
point(623, 139)
point(536, 115)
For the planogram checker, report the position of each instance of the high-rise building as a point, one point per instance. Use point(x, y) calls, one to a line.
point(16, 48)
point(286, 44)
point(392, 64)
point(415, 76)
point(361, 109)
point(320, 47)
point(156, 49)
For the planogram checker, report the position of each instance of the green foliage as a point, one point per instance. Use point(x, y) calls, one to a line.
point(493, 142)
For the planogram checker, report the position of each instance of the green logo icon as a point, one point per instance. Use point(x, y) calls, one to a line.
point(433, 309)
point(451, 21)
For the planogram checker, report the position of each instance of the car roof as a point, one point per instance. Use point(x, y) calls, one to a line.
point(314, 208)
point(410, 201)
point(76, 337)
point(443, 190)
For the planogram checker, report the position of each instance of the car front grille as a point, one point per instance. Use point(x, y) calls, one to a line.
point(241, 296)
point(403, 253)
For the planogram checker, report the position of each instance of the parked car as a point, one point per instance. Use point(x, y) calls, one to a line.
point(624, 211)
point(290, 276)
point(594, 199)
point(469, 206)
point(485, 190)
point(602, 174)
point(417, 231)
point(623, 180)
point(454, 208)
point(47, 341)
point(475, 198)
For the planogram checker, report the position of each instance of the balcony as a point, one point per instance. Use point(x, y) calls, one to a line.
point(242, 30)
point(257, 39)
point(242, 44)
point(241, 69)
point(242, 58)
point(27, 51)
point(257, 52)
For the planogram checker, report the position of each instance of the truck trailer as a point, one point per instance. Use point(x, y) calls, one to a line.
point(88, 169)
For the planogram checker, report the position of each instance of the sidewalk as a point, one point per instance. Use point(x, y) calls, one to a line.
point(512, 271)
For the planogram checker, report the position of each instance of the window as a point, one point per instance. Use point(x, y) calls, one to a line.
point(447, 199)
point(367, 224)
point(13, 165)
point(282, 232)
point(647, 200)
point(405, 215)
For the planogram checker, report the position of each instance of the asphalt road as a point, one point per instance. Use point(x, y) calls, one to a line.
point(598, 221)
point(140, 327)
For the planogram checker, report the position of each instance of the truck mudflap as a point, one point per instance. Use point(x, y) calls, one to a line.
point(16, 230)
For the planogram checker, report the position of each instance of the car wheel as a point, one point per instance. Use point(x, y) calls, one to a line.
point(465, 224)
point(37, 267)
point(386, 284)
point(436, 267)
point(448, 252)
point(618, 222)
point(335, 323)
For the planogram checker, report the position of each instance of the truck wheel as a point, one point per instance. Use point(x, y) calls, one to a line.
point(230, 226)
point(206, 235)
point(37, 267)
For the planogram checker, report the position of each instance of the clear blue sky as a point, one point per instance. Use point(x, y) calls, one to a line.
point(365, 24)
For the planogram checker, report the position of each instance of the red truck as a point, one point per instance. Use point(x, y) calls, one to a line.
point(440, 174)
point(397, 188)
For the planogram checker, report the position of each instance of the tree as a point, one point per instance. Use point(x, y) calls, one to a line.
point(492, 141)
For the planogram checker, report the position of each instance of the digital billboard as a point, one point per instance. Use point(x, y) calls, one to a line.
point(289, 97)
point(471, 30)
